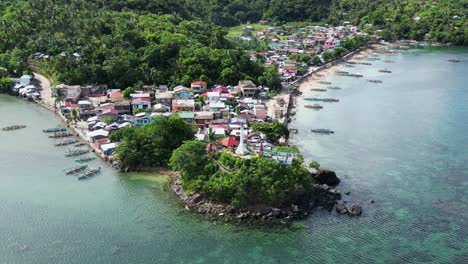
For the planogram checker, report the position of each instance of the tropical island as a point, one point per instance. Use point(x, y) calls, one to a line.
point(197, 88)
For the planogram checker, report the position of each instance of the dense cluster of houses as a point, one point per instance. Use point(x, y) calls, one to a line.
point(311, 40)
point(223, 111)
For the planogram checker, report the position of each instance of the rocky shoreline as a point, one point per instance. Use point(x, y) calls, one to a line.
point(323, 196)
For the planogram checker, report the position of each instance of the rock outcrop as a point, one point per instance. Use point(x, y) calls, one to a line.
point(327, 177)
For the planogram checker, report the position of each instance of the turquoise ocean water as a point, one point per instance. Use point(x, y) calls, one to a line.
point(403, 143)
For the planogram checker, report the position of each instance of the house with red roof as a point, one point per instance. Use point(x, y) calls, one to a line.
point(116, 96)
point(110, 113)
point(229, 142)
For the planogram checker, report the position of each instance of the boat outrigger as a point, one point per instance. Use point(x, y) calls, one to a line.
point(76, 152)
point(318, 90)
point(322, 131)
point(84, 159)
point(15, 127)
point(75, 169)
point(334, 87)
point(328, 100)
point(88, 174)
point(55, 129)
point(66, 142)
point(315, 106)
point(385, 71)
point(61, 135)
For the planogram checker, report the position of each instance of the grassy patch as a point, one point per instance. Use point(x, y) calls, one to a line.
point(237, 30)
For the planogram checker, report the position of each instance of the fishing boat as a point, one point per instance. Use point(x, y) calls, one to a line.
point(334, 87)
point(315, 106)
point(375, 81)
point(80, 144)
point(75, 169)
point(328, 100)
point(322, 131)
point(343, 73)
point(385, 71)
point(318, 90)
point(88, 174)
point(85, 159)
point(325, 82)
point(454, 60)
point(61, 135)
point(66, 142)
point(389, 61)
point(349, 65)
point(76, 152)
point(55, 129)
point(352, 62)
point(357, 75)
point(365, 63)
point(15, 127)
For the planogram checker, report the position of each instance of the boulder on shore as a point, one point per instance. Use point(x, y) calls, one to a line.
point(351, 209)
point(327, 177)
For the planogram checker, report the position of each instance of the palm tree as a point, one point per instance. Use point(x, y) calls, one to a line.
point(58, 95)
point(74, 116)
point(211, 139)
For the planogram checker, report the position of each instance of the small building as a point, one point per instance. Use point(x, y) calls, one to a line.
point(123, 107)
point(248, 88)
point(142, 119)
point(203, 118)
point(116, 96)
point(263, 22)
point(181, 105)
point(110, 113)
point(187, 116)
point(98, 134)
point(85, 105)
point(217, 106)
point(109, 148)
point(198, 86)
point(141, 103)
point(164, 98)
point(99, 142)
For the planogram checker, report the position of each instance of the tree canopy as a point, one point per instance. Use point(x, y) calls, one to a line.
point(273, 131)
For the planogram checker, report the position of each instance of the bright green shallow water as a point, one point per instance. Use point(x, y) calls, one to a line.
point(403, 143)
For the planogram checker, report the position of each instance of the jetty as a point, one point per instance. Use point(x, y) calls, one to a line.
point(15, 127)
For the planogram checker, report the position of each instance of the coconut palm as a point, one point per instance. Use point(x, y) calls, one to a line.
point(58, 95)
point(74, 116)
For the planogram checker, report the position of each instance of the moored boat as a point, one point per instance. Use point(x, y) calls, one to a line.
point(375, 81)
point(88, 174)
point(389, 61)
point(385, 71)
point(342, 73)
point(365, 63)
point(53, 130)
point(315, 106)
point(328, 100)
point(15, 127)
point(85, 159)
point(334, 87)
point(357, 75)
point(66, 142)
point(75, 169)
point(76, 152)
point(322, 131)
point(318, 90)
point(61, 135)
point(325, 82)
point(454, 60)
point(79, 144)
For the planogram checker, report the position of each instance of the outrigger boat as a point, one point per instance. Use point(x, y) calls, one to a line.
point(85, 159)
point(343, 73)
point(75, 169)
point(315, 106)
point(88, 174)
point(365, 63)
point(55, 129)
point(357, 75)
point(61, 135)
point(454, 60)
point(80, 144)
point(318, 90)
point(328, 100)
point(334, 87)
point(349, 65)
point(76, 152)
point(322, 131)
point(385, 71)
point(389, 61)
point(15, 127)
point(325, 82)
point(375, 81)
point(66, 142)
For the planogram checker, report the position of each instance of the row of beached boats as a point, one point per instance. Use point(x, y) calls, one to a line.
point(15, 127)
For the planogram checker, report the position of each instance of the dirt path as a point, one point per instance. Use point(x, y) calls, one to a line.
point(45, 89)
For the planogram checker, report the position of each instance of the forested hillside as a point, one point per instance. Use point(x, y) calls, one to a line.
point(122, 42)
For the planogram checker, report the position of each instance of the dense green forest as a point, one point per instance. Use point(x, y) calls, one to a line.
point(124, 43)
